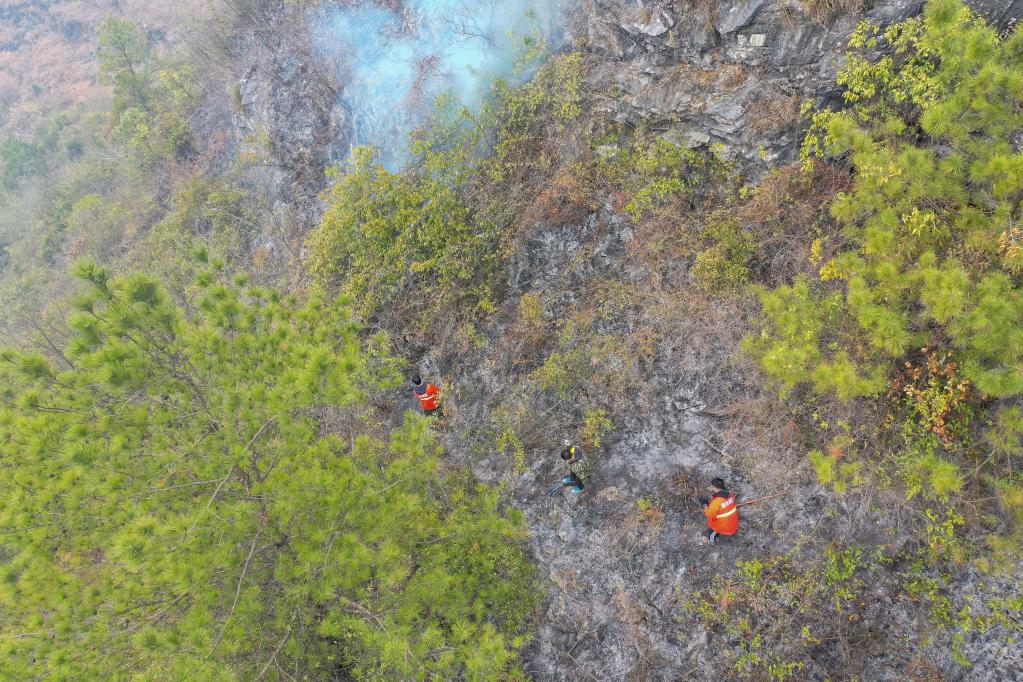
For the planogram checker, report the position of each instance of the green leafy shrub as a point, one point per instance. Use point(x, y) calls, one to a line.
point(836, 467)
point(151, 103)
point(596, 424)
point(431, 235)
point(18, 160)
point(576, 364)
point(776, 606)
point(654, 174)
point(94, 226)
point(1005, 546)
point(401, 236)
point(725, 264)
point(507, 440)
point(1005, 433)
point(526, 119)
point(824, 465)
point(797, 343)
point(648, 512)
point(785, 609)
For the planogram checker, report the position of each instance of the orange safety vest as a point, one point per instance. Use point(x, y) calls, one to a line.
point(722, 515)
point(429, 399)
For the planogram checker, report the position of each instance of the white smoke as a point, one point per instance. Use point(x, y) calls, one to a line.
point(394, 61)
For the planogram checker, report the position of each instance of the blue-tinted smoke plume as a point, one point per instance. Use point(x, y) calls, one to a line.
point(393, 57)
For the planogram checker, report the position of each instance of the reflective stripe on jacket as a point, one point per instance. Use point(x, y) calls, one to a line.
point(722, 515)
point(429, 396)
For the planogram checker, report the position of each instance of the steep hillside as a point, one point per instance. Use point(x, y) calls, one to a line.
point(47, 52)
point(773, 242)
point(620, 309)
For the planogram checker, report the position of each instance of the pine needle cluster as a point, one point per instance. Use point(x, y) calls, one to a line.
point(177, 505)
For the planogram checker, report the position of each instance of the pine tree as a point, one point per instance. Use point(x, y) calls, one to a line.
point(177, 506)
point(927, 216)
point(930, 255)
point(122, 53)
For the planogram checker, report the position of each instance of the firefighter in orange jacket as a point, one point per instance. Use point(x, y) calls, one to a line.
point(428, 395)
point(721, 512)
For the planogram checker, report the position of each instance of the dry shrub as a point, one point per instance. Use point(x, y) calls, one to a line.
point(527, 335)
point(766, 418)
point(568, 579)
point(821, 11)
point(566, 198)
point(260, 255)
point(642, 344)
point(792, 193)
point(726, 77)
point(48, 59)
point(922, 669)
point(771, 113)
point(634, 529)
point(787, 212)
point(682, 485)
point(760, 438)
point(427, 69)
point(731, 76)
point(650, 514)
point(664, 237)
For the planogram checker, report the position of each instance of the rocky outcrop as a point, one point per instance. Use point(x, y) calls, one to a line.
point(712, 72)
point(287, 123)
point(288, 106)
point(1002, 13)
point(729, 72)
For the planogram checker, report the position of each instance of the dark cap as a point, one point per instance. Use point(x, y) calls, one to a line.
point(717, 483)
point(416, 379)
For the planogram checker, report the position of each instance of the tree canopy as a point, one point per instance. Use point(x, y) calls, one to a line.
point(929, 243)
point(919, 294)
point(206, 492)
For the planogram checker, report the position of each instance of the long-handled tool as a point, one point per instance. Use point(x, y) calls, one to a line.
point(760, 499)
point(556, 487)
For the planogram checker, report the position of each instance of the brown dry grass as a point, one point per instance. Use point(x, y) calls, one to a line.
point(922, 669)
point(787, 212)
point(771, 113)
point(731, 76)
point(567, 197)
point(52, 65)
point(727, 77)
point(821, 11)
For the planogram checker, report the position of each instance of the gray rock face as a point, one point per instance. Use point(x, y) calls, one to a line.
point(288, 123)
point(289, 98)
point(736, 15)
point(733, 71)
point(1002, 13)
point(651, 22)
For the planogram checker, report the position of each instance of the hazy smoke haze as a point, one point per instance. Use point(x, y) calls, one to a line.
point(393, 60)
